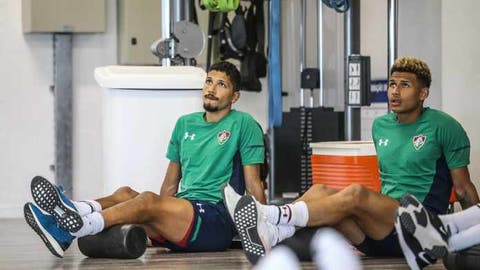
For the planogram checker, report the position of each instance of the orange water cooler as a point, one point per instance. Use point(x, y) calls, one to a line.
point(339, 164)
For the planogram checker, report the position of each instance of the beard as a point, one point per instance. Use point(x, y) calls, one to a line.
point(210, 108)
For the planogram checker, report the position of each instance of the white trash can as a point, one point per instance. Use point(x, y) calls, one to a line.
point(140, 107)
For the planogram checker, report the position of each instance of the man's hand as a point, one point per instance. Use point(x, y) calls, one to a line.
point(464, 188)
point(171, 180)
point(253, 183)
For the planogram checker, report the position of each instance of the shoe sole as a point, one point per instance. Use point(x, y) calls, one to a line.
point(409, 224)
point(245, 218)
point(407, 252)
point(34, 223)
point(47, 198)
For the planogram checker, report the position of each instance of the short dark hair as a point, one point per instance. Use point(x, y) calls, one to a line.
point(230, 70)
point(415, 66)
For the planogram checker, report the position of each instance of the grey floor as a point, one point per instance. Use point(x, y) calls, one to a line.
point(21, 248)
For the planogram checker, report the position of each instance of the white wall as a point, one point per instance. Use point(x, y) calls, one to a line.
point(373, 36)
point(460, 76)
point(420, 35)
point(26, 108)
point(89, 52)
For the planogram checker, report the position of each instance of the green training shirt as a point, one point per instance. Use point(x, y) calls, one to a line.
point(416, 158)
point(206, 151)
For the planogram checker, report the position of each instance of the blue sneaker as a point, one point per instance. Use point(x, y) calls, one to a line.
point(51, 199)
point(56, 239)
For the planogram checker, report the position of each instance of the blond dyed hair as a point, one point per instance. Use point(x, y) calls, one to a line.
point(415, 66)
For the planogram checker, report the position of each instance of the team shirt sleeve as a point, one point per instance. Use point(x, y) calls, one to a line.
point(252, 149)
point(374, 128)
point(456, 145)
point(173, 150)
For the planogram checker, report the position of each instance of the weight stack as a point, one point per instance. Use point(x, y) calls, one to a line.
point(292, 165)
point(306, 151)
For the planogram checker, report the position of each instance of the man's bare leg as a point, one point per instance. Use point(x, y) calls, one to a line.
point(120, 195)
point(168, 217)
point(347, 226)
point(374, 213)
point(86, 207)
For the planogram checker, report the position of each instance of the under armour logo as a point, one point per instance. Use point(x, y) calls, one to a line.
point(189, 136)
point(201, 210)
point(382, 142)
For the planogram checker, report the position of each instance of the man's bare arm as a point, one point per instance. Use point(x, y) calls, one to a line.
point(171, 180)
point(253, 183)
point(464, 188)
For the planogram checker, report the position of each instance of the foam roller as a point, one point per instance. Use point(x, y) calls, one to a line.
point(126, 241)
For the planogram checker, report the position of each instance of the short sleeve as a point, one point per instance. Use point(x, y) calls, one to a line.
point(252, 149)
point(455, 145)
point(173, 150)
point(374, 134)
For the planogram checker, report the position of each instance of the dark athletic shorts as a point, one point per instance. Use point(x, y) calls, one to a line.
point(211, 230)
point(387, 247)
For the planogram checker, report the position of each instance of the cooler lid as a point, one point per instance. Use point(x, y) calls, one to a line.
point(151, 77)
point(344, 148)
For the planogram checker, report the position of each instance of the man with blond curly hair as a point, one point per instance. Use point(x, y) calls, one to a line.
point(422, 154)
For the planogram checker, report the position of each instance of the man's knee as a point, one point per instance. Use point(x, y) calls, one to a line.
point(148, 197)
point(320, 189)
point(356, 194)
point(151, 204)
point(124, 194)
point(148, 203)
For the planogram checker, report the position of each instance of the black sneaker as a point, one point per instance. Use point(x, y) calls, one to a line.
point(51, 199)
point(424, 226)
point(416, 257)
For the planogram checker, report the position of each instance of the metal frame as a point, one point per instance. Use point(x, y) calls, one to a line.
point(62, 76)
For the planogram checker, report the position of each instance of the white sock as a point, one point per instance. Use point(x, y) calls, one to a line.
point(271, 212)
point(285, 231)
point(462, 220)
point(464, 239)
point(86, 207)
point(288, 214)
point(293, 214)
point(330, 251)
point(280, 258)
point(93, 223)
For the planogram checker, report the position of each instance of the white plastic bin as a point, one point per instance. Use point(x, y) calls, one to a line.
point(141, 105)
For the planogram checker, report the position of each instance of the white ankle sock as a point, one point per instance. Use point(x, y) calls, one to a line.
point(271, 212)
point(462, 220)
point(464, 239)
point(86, 207)
point(285, 231)
point(293, 214)
point(93, 223)
point(289, 214)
